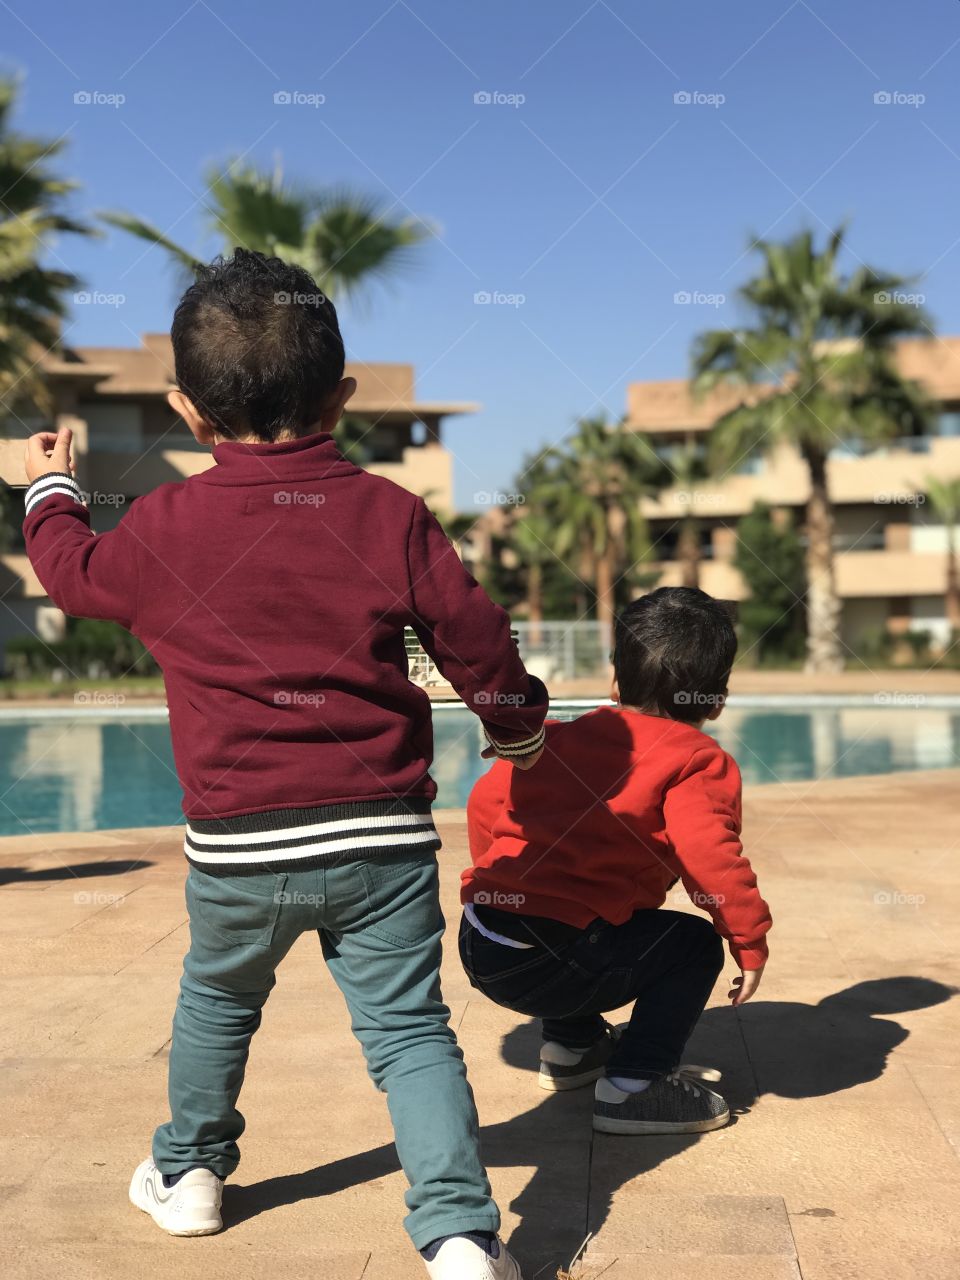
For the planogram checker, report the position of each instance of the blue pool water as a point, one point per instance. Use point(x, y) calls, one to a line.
point(79, 771)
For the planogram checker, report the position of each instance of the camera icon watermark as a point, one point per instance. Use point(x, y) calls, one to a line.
point(486, 498)
point(498, 298)
point(298, 498)
point(94, 298)
point(695, 98)
point(697, 298)
point(95, 98)
point(297, 98)
point(494, 98)
point(896, 98)
point(495, 898)
point(298, 698)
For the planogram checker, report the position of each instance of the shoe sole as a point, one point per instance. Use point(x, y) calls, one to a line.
point(559, 1084)
point(204, 1229)
point(609, 1124)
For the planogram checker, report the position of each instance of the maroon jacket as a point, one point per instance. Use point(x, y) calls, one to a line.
point(273, 590)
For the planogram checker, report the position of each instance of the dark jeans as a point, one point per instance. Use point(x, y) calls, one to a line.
point(665, 961)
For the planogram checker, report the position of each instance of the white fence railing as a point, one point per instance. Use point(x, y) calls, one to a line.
point(553, 651)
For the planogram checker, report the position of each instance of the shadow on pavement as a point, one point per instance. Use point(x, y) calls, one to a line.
point(787, 1049)
point(76, 871)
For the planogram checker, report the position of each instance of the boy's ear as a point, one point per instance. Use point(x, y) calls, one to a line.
point(338, 402)
point(717, 707)
point(615, 691)
point(201, 430)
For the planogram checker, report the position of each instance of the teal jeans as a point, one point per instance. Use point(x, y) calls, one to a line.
point(380, 927)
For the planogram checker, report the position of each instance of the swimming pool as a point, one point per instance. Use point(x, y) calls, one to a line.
point(74, 770)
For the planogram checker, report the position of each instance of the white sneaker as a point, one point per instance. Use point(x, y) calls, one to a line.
point(461, 1259)
point(190, 1208)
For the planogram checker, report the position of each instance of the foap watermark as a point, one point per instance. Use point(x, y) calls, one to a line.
point(704, 900)
point(300, 299)
point(696, 698)
point(696, 98)
point(98, 698)
point(497, 698)
point(885, 498)
point(894, 898)
point(94, 298)
point(896, 698)
point(96, 98)
point(97, 898)
point(897, 98)
point(497, 298)
point(100, 498)
point(496, 98)
point(699, 498)
point(298, 498)
point(297, 898)
point(298, 98)
point(298, 698)
point(897, 298)
point(495, 898)
point(696, 298)
point(486, 498)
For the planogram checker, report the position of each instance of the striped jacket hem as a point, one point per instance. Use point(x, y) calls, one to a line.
point(300, 839)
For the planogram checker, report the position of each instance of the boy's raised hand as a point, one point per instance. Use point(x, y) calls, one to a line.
point(49, 452)
point(745, 986)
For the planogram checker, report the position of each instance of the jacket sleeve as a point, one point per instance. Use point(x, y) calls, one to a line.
point(702, 816)
point(468, 637)
point(87, 575)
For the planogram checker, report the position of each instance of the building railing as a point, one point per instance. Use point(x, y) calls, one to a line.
point(553, 651)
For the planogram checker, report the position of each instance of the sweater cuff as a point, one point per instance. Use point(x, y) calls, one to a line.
point(754, 957)
point(53, 482)
point(517, 750)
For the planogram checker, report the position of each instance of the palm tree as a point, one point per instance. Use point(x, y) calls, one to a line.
point(344, 239)
point(594, 488)
point(688, 468)
point(530, 537)
point(32, 297)
point(816, 370)
point(944, 497)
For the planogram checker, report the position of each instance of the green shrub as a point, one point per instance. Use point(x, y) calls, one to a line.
point(90, 650)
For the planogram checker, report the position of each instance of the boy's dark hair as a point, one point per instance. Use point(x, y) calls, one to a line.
point(256, 346)
point(673, 650)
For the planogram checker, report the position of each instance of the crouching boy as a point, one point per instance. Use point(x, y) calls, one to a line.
point(563, 906)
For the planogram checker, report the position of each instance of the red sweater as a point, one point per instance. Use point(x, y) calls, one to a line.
point(273, 590)
point(620, 805)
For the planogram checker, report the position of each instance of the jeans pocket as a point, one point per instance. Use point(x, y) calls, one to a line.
point(239, 910)
point(403, 899)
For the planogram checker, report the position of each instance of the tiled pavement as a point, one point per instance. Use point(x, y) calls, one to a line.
point(841, 1164)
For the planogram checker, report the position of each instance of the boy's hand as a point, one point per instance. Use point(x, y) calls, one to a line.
point(745, 986)
point(48, 452)
point(521, 762)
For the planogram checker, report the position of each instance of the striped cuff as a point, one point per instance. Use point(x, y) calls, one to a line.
point(511, 750)
point(53, 482)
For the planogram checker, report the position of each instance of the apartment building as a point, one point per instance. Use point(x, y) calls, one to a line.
point(891, 550)
point(127, 441)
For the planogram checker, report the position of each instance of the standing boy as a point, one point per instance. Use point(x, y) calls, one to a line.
point(274, 590)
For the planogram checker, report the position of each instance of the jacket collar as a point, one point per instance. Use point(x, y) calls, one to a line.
point(306, 458)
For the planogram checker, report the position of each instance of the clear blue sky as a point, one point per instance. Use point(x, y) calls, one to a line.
point(598, 198)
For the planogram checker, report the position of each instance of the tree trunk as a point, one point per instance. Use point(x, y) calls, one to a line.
point(535, 603)
point(953, 581)
point(824, 648)
point(688, 553)
point(604, 585)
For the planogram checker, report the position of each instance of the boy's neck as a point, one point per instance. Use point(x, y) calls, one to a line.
point(661, 715)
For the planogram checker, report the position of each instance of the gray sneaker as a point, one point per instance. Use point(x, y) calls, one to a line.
point(562, 1068)
point(677, 1103)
